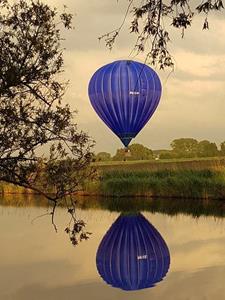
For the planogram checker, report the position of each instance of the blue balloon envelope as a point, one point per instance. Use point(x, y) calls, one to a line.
point(125, 95)
point(132, 255)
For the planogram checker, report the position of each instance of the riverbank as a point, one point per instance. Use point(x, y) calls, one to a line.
point(11, 189)
point(190, 178)
point(187, 179)
point(193, 184)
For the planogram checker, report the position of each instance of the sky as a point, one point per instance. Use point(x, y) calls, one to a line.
point(193, 99)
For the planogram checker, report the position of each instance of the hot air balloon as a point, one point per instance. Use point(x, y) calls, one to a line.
point(125, 95)
point(132, 254)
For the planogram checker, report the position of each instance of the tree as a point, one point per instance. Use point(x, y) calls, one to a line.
point(167, 154)
point(207, 149)
point(140, 152)
point(222, 147)
point(184, 147)
point(149, 22)
point(103, 156)
point(120, 155)
point(32, 115)
point(135, 152)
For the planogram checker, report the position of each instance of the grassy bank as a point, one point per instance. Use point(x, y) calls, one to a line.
point(7, 188)
point(202, 179)
point(201, 184)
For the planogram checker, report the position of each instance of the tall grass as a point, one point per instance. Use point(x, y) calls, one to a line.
point(8, 188)
point(166, 183)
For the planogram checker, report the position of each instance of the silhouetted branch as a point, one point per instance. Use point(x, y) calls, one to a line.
point(53, 215)
point(147, 24)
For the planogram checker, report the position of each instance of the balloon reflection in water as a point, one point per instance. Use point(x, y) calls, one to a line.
point(132, 255)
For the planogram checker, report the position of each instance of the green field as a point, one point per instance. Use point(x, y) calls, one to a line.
point(189, 178)
point(171, 164)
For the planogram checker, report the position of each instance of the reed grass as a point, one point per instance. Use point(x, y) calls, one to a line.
point(205, 184)
point(7, 188)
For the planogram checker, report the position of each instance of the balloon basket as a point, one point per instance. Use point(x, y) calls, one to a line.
point(127, 152)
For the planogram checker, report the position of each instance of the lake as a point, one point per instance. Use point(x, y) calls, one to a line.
point(184, 250)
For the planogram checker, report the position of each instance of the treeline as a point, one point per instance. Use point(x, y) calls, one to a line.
point(135, 152)
point(191, 148)
point(180, 148)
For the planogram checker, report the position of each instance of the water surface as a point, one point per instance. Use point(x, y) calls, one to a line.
point(37, 263)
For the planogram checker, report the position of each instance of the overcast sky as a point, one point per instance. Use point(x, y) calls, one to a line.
point(193, 101)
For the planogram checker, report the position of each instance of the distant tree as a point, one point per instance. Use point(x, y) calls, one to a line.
point(103, 156)
point(207, 149)
point(167, 155)
point(120, 155)
point(140, 152)
point(136, 152)
point(222, 148)
point(150, 21)
point(184, 147)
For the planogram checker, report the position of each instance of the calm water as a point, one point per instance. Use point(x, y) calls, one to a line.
point(37, 263)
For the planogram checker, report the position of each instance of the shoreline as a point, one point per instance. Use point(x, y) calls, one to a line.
point(188, 179)
point(133, 196)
